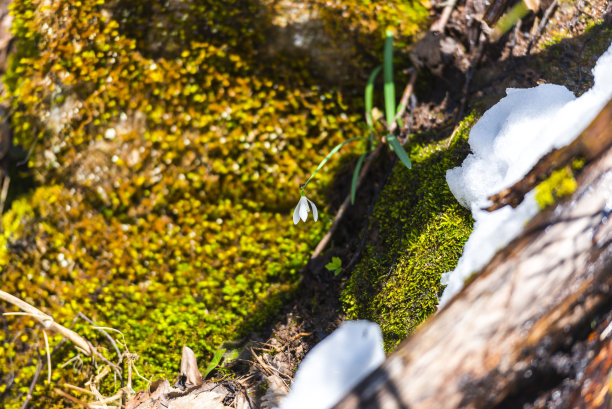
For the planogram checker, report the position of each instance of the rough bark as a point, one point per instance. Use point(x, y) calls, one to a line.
point(529, 302)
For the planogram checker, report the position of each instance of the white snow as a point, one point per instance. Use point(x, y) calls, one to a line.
point(506, 143)
point(335, 365)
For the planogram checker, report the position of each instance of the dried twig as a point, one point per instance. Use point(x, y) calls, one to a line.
point(515, 35)
point(92, 383)
point(404, 101)
point(300, 335)
point(33, 383)
point(269, 368)
point(82, 345)
point(48, 323)
point(70, 397)
point(48, 356)
point(6, 180)
point(538, 32)
point(263, 365)
point(482, 39)
point(446, 13)
point(76, 388)
point(364, 170)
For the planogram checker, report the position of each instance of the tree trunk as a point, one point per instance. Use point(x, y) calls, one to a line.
point(533, 301)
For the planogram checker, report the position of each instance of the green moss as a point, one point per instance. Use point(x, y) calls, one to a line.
point(421, 230)
point(559, 184)
point(168, 144)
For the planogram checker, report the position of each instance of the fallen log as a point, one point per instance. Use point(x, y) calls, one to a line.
point(533, 300)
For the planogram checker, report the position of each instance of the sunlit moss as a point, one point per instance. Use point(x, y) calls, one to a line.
point(559, 184)
point(421, 232)
point(168, 143)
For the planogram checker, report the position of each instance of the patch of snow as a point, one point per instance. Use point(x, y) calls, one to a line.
point(335, 365)
point(506, 143)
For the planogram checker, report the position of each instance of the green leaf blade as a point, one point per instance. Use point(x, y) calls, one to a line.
point(389, 87)
point(356, 177)
point(330, 154)
point(369, 97)
point(399, 150)
point(214, 362)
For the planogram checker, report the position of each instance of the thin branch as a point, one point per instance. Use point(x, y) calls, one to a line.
point(538, 32)
point(33, 383)
point(48, 323)
point(70, 397)
point(364, 170)
point(48, 356)
point(482, 39)
point(404, 101)
point(6, 180)
point(446, 13)
point(78, 389)
point(102, 330)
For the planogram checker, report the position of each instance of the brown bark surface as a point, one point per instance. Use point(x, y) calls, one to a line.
point(528, 303)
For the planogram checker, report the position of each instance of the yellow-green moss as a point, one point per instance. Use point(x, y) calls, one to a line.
point(421, 230)
point(168, 144)
point(559, 184)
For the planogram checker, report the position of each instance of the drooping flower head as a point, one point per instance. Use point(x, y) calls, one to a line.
point(302, 209)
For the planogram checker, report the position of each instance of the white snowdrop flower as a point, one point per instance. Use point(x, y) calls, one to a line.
point(302, 209)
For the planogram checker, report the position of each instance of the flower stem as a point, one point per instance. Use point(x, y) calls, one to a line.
point(329, 155)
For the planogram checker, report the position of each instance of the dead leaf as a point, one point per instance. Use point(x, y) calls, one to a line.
point(189, 368)
point(533, 5)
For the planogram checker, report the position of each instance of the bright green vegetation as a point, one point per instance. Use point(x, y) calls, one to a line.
point(168, 142)
point(559, 184)
point(421, 230)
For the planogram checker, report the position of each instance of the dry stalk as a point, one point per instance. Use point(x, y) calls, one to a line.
point(78, 389)
point(536, 36)
point(70, 397)
point(33, 383)
point(48, 323)
point(6, 180)
point(446, 13)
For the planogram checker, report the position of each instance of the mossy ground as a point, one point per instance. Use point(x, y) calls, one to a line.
point(419, 230)
point(167, 155)
point(167, 145)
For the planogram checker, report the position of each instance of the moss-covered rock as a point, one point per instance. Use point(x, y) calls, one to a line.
point(419, 230)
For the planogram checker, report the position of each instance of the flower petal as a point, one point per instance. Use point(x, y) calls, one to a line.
point(315, 213)
point(296, 213)
point(303, 208)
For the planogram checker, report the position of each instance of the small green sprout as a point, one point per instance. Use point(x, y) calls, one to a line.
point(335, 265)
point(214, 362)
